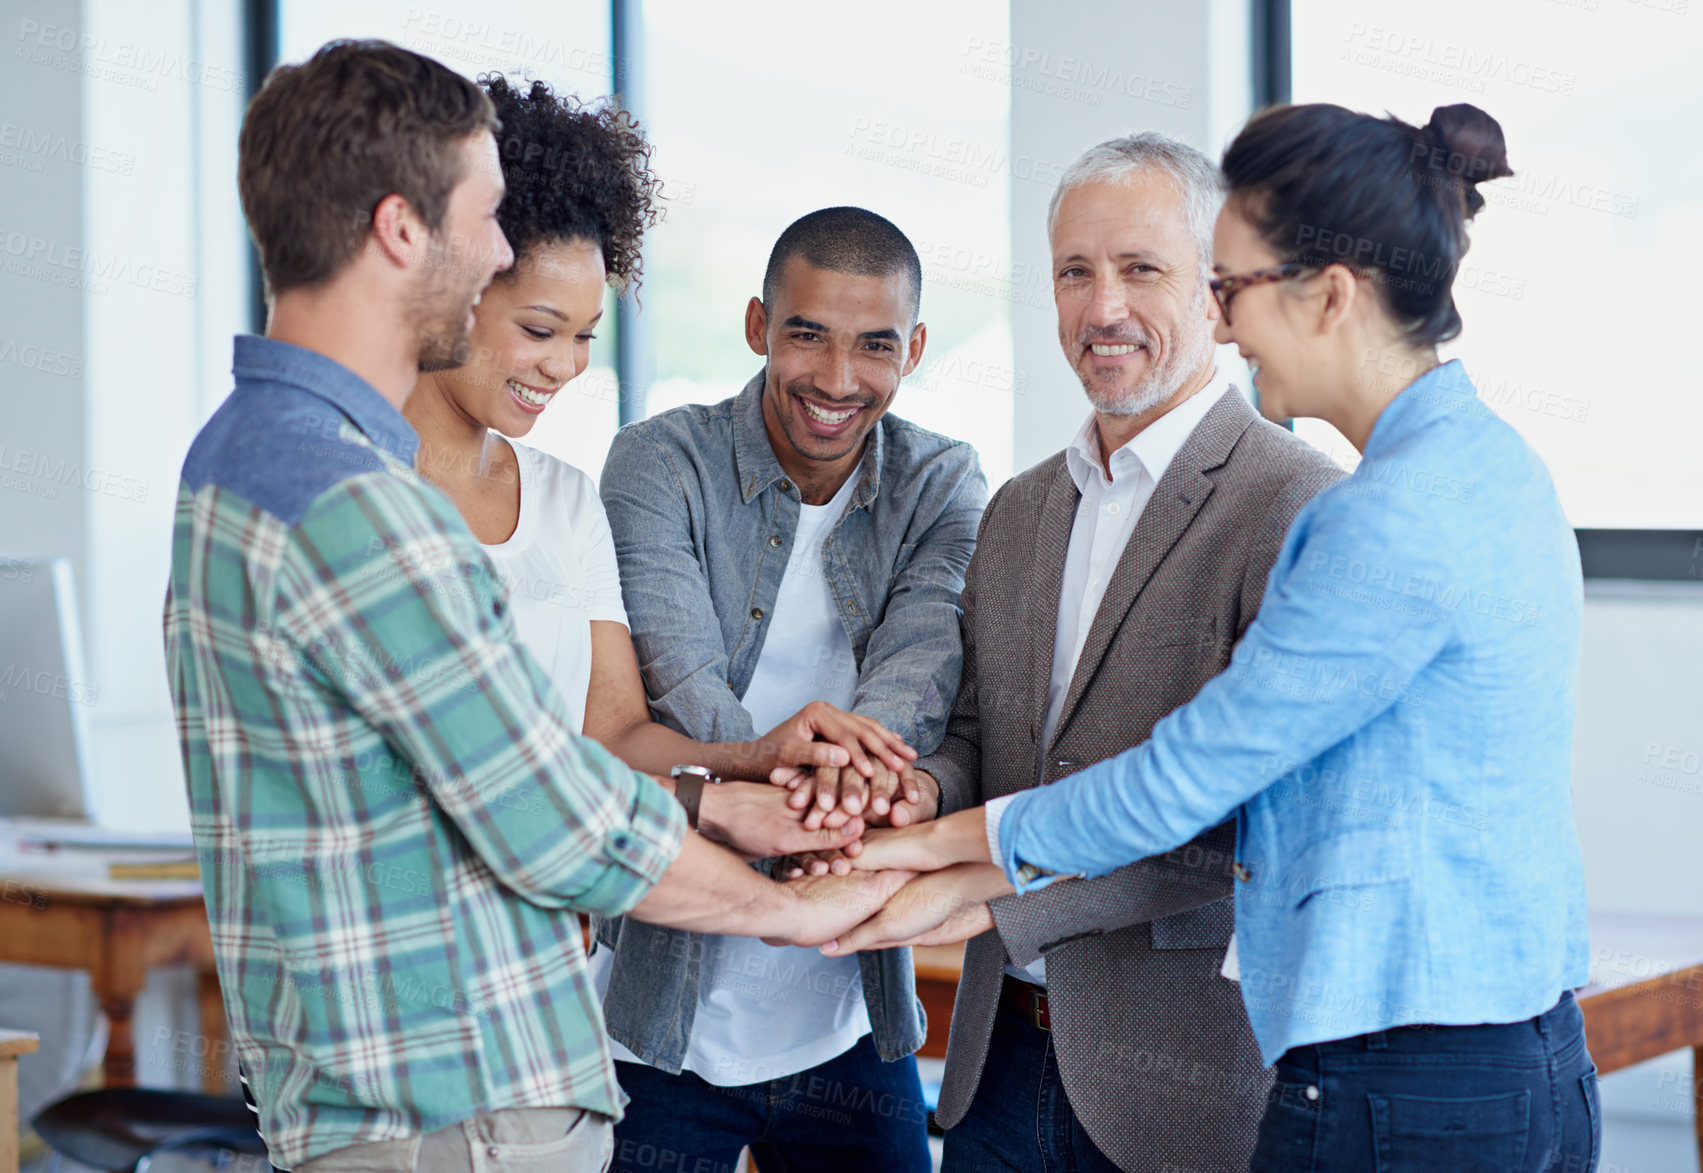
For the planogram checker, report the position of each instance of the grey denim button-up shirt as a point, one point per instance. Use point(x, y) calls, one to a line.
point(703, 518)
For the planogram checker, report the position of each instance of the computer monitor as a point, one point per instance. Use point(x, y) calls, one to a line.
point(45, 694)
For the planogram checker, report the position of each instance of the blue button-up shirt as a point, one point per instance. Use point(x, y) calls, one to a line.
point(1394, 735)
point(703, 518)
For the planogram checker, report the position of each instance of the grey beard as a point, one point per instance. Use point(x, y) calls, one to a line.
point(1149, 395)
point(1158, 387)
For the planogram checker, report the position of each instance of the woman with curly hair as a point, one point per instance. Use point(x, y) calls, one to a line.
point(580, 194)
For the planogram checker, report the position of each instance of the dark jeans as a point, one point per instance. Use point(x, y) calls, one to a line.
point(1519, 1097)
point(852, 1113)
point(1021, 1121)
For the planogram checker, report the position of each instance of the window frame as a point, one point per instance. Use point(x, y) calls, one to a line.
point(260, 54)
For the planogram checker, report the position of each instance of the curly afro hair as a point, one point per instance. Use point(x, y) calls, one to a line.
point(573, 172)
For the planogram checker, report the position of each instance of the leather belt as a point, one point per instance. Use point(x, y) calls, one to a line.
point(1029, 1001)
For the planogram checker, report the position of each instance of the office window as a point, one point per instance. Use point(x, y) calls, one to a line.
point(758, 115)
point(1578, 293)
point(563, 42)
point(785, 108)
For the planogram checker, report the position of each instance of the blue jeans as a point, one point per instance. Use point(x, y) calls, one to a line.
point(1518, 1097)
point(1021, 1121)
point(852, 1113)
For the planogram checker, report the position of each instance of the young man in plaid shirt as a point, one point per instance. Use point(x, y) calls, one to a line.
point(395, 823)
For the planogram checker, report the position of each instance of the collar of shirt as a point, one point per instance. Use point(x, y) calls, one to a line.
point(1154, 447)
point(266, 360)
point(1442, 389)
point(754, 456)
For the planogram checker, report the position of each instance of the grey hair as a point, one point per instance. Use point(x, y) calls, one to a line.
point(1193, 174)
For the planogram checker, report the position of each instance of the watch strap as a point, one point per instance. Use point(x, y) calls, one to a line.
point(689, 789)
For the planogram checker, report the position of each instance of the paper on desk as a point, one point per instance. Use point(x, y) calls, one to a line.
point(53, 834)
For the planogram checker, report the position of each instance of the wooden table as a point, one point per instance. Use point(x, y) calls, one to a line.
point(59, 909)
point(12, 1044)
point(1645, 996)
point(938, 967)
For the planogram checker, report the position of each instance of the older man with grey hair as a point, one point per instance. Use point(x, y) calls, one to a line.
point(1097, 1025)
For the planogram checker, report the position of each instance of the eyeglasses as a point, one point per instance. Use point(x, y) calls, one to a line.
point(1226, 288)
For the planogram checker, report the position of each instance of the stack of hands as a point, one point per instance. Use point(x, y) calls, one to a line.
point(852, 823)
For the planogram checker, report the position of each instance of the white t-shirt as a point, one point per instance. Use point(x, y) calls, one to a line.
point(766, 1011)
point(559, 567)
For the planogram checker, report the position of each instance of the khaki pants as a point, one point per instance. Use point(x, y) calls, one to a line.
point(509, 1140)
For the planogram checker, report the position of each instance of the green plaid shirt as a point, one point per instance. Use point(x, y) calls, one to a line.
point(395, 822)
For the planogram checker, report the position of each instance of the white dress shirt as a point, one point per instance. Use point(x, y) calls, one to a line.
point(1111, 503)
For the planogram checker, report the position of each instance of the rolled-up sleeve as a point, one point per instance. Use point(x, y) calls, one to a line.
point(391, 603)
point(635, 857)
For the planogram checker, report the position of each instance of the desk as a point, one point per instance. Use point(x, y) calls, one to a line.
point(1645, 996)
point(12, 1044)
point(60, 909)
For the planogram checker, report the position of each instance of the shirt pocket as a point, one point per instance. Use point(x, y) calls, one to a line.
point(1173, 658)
point(1339, 867)
point(1199, 632)
point(1208, 927)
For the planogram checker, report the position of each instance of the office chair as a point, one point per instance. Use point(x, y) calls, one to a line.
point(122, 1130)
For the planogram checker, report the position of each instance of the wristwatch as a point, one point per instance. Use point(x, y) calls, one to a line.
point(689, 782)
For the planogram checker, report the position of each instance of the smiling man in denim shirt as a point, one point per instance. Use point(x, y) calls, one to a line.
point(793, 543)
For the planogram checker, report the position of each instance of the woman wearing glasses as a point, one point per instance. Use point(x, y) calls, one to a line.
point(1394, 734)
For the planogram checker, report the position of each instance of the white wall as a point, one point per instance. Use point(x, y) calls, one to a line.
point(43, 367)
point(1638, 748)
point(115, 332)
point(159, 356)
point(142, 281)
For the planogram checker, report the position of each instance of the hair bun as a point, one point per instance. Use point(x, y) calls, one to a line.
point(1470, 147)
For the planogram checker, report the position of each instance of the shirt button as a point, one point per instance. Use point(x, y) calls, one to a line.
point(1312, 1092)
point(1241, 872)
point(493, 1152)
point(1114, 508)
point(786, 485)
point(775, 541)
point(756, 612)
